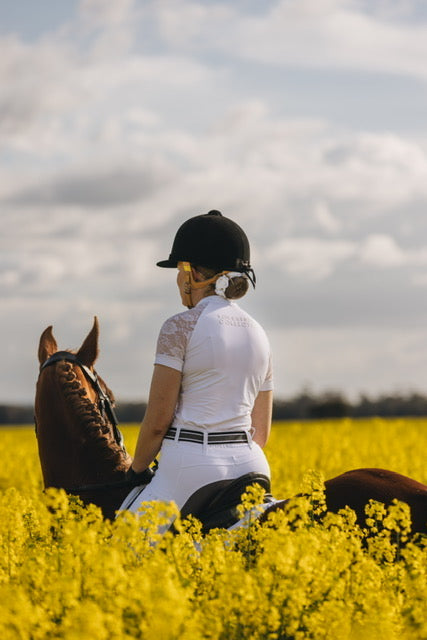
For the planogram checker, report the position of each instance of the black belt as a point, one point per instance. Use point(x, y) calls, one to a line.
point(229, 437)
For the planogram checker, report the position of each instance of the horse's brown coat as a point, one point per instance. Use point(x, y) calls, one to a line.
point(77, 446)
point(355, 488)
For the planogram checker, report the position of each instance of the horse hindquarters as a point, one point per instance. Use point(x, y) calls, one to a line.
point(355, 488)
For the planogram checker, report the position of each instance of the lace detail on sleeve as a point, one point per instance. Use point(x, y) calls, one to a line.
point(173, 338)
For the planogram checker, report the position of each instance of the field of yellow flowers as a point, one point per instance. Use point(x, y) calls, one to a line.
point(65, 573)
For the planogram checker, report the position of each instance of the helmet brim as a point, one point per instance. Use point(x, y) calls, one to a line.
point(169, 264)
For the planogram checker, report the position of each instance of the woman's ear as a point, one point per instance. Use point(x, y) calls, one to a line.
point(197, 276)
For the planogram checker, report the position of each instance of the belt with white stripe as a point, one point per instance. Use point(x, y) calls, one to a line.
point(188, 435)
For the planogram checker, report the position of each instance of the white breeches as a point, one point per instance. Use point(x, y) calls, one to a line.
point(185, 467)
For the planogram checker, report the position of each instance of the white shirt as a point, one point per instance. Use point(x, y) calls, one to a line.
point(224, 356)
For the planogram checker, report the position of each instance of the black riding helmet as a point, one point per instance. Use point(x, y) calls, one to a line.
point(214, 241)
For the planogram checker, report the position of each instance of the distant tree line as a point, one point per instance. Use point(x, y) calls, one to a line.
point(331, 404)
point(304, 406)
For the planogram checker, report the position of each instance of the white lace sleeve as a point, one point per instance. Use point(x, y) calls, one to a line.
point(173, 339)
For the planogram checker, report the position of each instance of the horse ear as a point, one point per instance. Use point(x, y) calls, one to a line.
point(47, 345)
point(88, 352)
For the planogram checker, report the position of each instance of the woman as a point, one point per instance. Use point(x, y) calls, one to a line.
point(210, 403)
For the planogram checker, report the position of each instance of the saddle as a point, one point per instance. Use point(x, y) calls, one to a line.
point(215, 504)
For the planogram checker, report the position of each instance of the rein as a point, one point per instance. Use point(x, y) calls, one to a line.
point(142, 479)
point(105, 404)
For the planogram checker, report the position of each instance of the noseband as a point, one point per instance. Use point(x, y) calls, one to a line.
point(105, 405)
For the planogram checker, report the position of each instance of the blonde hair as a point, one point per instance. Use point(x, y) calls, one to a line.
point(236, 289)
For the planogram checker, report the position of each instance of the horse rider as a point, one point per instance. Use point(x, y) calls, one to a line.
point(210, 402)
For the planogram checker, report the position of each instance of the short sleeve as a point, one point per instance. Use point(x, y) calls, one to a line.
point(173, 338)
point(171, 343)
point(267, 385)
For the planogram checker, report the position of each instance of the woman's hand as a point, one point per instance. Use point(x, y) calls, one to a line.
point(143, 477)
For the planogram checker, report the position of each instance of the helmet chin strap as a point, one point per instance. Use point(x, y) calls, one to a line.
point(191, 284)
point(187, 299)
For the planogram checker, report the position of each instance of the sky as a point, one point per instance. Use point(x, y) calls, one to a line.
point(302, 120)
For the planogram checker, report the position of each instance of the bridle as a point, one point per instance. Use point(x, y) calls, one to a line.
point(107, 412)
point(105, 405)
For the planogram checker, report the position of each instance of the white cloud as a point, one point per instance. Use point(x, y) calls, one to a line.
point(303, 176)
point(127, 340)
point(327, 221)
point(334, 34)
point(317, 258)
point(193, 23)
point(103, 13)
point(393, 10)
point(98, 187)
point(382, 251)
point(352, 359)
point(73, 254)
point(310, 257)
point(105, 113)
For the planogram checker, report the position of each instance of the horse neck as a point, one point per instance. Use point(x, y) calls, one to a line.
point(76, 445)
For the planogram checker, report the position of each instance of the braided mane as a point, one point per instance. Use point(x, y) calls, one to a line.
point(96, 431)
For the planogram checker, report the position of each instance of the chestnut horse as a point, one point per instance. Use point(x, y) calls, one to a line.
point(81, 451)
point(78, 446)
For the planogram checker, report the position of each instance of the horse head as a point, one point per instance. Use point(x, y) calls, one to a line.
point(78, 439)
